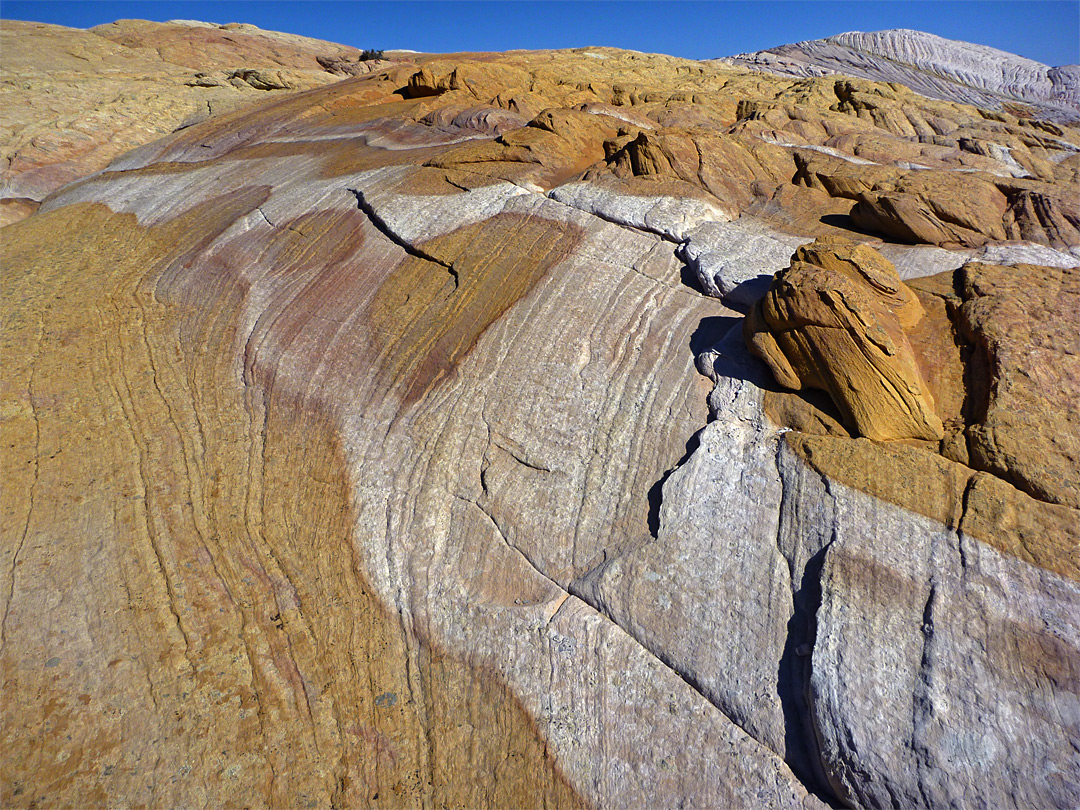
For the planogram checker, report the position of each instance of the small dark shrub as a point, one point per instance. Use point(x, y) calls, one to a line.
point(368, 55)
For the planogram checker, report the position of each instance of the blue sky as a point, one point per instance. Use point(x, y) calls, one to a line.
point(1045, 30)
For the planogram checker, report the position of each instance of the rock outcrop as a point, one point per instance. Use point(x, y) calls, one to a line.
point(356, 452)
point(75, 99)
point(1025, 375)
point(835, 319)
point(940, 68)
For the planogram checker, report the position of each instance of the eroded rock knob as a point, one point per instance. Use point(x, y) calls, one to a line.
point(835, 319)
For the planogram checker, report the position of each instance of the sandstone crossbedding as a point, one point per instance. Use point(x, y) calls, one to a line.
point(934, 66)
point(73, 99)
point(835, 320)
point(396, 443)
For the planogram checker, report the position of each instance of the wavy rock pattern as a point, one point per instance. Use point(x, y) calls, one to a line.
point(835, 319)
point(357, 455)
point(419, 423)
point(75, 99)
point(940, 68)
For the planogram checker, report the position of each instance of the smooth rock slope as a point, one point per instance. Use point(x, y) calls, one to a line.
point(73, 99)
point(395, 443)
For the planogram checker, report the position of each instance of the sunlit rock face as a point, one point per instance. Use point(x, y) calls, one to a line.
point(75, 99)
point(934, 66)
point(835, 320)
point(395, 443)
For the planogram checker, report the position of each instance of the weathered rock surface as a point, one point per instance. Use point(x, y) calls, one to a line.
point(940, 68)
point(882, 581)
point(835, 320)
point(1021, 321)
point(356, 455)
point(75, 99)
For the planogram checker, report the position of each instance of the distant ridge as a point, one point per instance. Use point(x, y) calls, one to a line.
point(936, 67)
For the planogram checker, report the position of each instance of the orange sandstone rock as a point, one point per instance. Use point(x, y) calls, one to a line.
point(835, 320)
point(355, 453)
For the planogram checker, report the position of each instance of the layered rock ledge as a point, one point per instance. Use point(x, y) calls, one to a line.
point(357, 454)
point(75, 99)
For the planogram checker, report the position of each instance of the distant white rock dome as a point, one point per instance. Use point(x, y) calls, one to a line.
point(934, 66)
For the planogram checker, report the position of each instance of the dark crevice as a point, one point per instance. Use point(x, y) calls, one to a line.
point(456, 184)
point(802, 748)
point(656, 492)
point(275, 226)
point(687, 274)
point(642, 228)
point(846, 223)
point(802, 744)
point(961, 528)
point(381, 225)
point(520, 460)
point(921, 705)
point(710, 331)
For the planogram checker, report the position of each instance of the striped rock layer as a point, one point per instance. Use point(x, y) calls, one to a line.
point(940, 68)
point(394, 443)
point(75, 99)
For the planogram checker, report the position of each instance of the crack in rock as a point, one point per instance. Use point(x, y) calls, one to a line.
point(384, 228)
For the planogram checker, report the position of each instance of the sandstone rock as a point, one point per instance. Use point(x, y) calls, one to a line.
point(355, 449)
point(12, 209)
point(728, 259)
point(936, 67)
point(346, 64)
point(963, 622)
point(907, 218)
point(771, 517)
point(207, 80)
point(481, 80)
point(349, 339)
point(1038, 217)
point(75, 99)
point(262, 79)
point(1030, 253)
point(1022, 429)
point(478, 118)
point(671, 215)
point(916, 261)
point(835, 319)
point(951, 591)
point(838, 177)
point(178, 42)
point(933, 208)
point(554, 146)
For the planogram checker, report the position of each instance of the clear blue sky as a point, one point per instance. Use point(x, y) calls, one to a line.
point(1045, 30)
